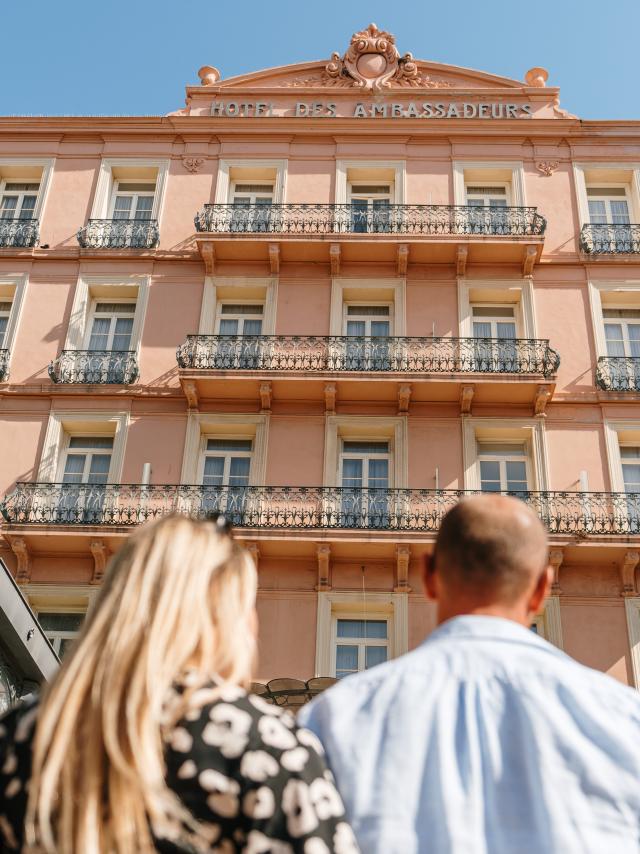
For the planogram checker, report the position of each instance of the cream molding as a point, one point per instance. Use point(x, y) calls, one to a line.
point(201, 424)
point(60, 421)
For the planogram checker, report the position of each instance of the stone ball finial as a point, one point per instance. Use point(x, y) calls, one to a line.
point(537, 77)
point(208, 75)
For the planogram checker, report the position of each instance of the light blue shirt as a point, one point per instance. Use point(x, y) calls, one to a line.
point(484, 740)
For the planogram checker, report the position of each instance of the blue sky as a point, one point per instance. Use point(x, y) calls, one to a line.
point(135, 56)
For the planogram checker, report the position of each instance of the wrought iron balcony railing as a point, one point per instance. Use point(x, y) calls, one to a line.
point(304, 508)
point(4, 365)
point(119, 234)
point(618, 373)
point(314, 219)
point(95, 366)
point(21, 233)
point(608, 239)
point(349, 353)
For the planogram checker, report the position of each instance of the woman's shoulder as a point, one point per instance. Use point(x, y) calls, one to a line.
point(233, 721)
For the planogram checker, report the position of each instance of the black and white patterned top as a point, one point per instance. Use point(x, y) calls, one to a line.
point(255, 782)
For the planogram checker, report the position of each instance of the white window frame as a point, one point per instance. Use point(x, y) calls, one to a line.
point(92, 315)
point(74, 422)
point(623, 323)
point(102, 201)
point(613, 442)
point(220, 316)
point(515, 187)
point(580, 181)
point(253, 196)
point(361, 643)
point(115, 192)
point(91, 289)
point(65, 450)
point(215, 286)
point(363, 428)
point(607, 199)
point(225, 426)
point(495, 320)
point(367, 319)
point(6, 314)
point(226, 454)
point(45, 164)
point(365, 457)
point(342, 181)
point(489, 457)
point(354, 194)
point(393, 606)
point(626, 295)
point(12, 289)
point(223, 191)
point(489, 183)
point(383, 291)
point(59, 636)
point(531, 431)
point(521, 289)
point(20, 193)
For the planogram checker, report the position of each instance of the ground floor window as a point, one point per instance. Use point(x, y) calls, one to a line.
point(359, 644)
point(61, 629)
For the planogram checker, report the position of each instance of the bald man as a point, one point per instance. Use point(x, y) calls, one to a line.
point(486, 739)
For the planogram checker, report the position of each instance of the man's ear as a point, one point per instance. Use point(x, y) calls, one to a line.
point(429, 577)
point(541, 590)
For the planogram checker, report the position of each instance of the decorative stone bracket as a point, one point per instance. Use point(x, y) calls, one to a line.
point(404, 396)
point(330, 398)
point(628, 572)
point(556, 556)
point(100, 554)
point(323, 553)
point(265, 396)
point(466, 398)
point(20, 550)
point(403, 556)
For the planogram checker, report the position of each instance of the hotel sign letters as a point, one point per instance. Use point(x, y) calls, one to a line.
point(375, 110)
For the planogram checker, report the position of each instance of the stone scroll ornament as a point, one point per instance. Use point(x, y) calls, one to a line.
point(372, 62)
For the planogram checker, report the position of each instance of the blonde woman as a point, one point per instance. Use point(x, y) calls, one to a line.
point(147, 739)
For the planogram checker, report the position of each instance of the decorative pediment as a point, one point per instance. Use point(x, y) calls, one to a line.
point(371, 64)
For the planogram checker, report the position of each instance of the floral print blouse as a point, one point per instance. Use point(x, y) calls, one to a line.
point(254, 782)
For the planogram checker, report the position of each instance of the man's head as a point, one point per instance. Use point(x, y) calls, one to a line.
point(490, 557)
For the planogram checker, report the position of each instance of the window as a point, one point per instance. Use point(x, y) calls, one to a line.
point(18, 199)
point(503, 467)
point(371, 325)
point(86, 463)
point(364, 476)
point(239, 318)
point(5, 313)
point(630, 459)
point(494, 327)
point(359, 644)
point(87, 459)
point(60, 628)
point(111, 326)
point(226, 468)
point(608, 205)
point(251, 206)
point(370, 207)
point(133, 199)
point(487, 196)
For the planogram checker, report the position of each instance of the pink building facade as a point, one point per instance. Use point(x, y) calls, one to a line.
point(404, 281)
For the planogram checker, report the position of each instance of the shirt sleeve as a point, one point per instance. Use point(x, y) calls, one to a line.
point(252, 777)
point(16, 733)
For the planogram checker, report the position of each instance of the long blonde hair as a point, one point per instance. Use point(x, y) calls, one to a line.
point(178, 595)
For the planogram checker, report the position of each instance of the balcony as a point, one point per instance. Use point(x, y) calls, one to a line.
point(93, 367)
point(18, 233)
point(367, 368)
point(4, 365)
point(335, 233)
point(618, 373)
point(604, 239)
point(300, 509)
point(119, 234)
